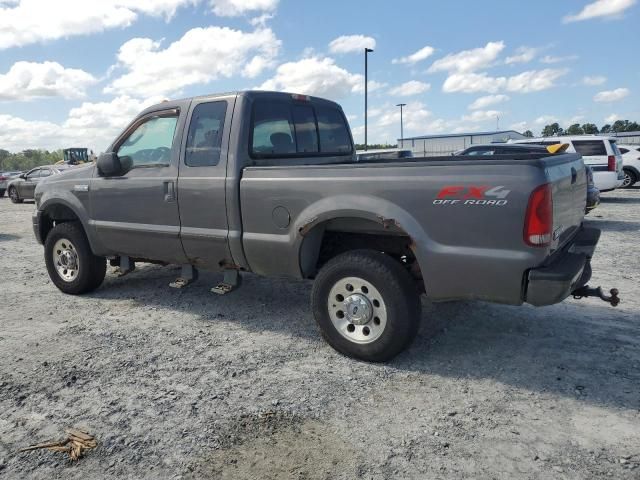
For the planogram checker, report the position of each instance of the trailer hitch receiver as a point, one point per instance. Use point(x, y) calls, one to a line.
point(588, 291)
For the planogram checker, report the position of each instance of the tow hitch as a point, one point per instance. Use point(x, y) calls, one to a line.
point(588, 291)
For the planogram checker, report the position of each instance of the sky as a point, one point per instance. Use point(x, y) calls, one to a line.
point(75, 72)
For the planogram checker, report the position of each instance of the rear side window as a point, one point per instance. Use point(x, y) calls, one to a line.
point(589, 147)
point(624, 150)
point(284, 129)
point(205, 134)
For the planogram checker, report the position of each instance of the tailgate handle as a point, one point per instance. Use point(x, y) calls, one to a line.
point(574, 175)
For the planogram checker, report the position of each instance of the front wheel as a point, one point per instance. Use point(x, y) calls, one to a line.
point(71, 264)
point(13, 194)
point(630, 178)
point(366, 305)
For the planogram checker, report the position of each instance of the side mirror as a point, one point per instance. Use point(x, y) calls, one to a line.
point(110, 165)
point(23, 176)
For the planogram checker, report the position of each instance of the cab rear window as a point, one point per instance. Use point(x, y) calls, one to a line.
point(590, 147)
point(287, 129)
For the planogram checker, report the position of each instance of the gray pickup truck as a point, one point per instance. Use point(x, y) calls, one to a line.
point(269, 183)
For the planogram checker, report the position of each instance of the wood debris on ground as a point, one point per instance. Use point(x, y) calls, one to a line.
point(76, 443)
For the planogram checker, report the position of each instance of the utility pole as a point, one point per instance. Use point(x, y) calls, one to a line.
point(366, 81)
point(401, 105)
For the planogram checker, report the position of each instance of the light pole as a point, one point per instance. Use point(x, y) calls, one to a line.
point(401, 125)
point(366, 81)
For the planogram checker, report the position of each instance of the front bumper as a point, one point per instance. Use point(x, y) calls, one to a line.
point(35, 222)
point(568, 271)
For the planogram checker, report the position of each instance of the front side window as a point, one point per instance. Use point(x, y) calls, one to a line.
point(205, 134)
point(151, 142)
point(589, 147)
point(33, 174)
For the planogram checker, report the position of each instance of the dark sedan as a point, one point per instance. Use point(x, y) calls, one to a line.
point(22, 188)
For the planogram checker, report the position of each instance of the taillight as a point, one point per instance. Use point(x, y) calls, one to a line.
point(3, 178)
point(538, 222)
point(612, 163)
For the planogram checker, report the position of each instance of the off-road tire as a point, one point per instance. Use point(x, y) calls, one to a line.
point(399, 294)
point(91, 268)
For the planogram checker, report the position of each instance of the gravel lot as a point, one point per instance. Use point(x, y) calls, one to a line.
point(187, 384)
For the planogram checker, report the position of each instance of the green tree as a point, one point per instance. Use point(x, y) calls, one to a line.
point(575, 129)
point(552, 130)
point(620, 126)
point(606, 128)
point(528, 133)
point(590, 128)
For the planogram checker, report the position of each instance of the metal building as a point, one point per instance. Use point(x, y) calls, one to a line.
point(628, 138)
point(434, 145)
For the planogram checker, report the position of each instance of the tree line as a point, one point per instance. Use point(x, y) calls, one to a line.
point(28, 159)
point(587, 129)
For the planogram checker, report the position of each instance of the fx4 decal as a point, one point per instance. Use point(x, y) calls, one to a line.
point(472, 195)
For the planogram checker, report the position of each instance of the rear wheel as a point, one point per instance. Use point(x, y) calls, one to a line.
point(13, 194)
point(630, 178)
point(366, 305)
point(71, 264)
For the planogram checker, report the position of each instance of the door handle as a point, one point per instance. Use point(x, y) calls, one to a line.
point(574, 175)
point(169, 191)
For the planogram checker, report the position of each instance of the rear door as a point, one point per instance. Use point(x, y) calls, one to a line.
point(594, 153)
point(201, 184)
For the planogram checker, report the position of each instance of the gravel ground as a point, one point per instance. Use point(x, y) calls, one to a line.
point(187, 384)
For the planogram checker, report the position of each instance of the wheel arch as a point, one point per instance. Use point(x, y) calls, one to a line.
point(375, 222)
point(58, 210)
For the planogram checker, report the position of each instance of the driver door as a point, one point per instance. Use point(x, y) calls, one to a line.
point(136, 213)
point(27, 188)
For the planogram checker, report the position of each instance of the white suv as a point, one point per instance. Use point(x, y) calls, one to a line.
point(600, 153)
point(630, 164)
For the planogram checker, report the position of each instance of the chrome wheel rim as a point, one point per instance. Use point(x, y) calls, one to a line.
point(627, 180)
point(357, 310)
point(65, 259)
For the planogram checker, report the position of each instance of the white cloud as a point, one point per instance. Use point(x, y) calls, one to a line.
point(545, 120)
point(351, 43)
point(93, 125)
point(473, 83)
point(594, 80)
point(612, 118)
point(23, 22)
point(315, 76)
point(534, 80)
point(523, 55)
point(550, 59)
point(468, 60)
point(200, 56)
point(484, 102)
point(601, 8)
point(412, 87)
point(235, 8)
point(611, 95)
point(520, 126)
point(482, 116)
point(422, 54)
point(29, 80)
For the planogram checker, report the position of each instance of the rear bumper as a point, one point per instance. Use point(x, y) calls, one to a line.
point(606, 180)
point(569, 270)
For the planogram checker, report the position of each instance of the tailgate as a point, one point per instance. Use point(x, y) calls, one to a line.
point(569, 192)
